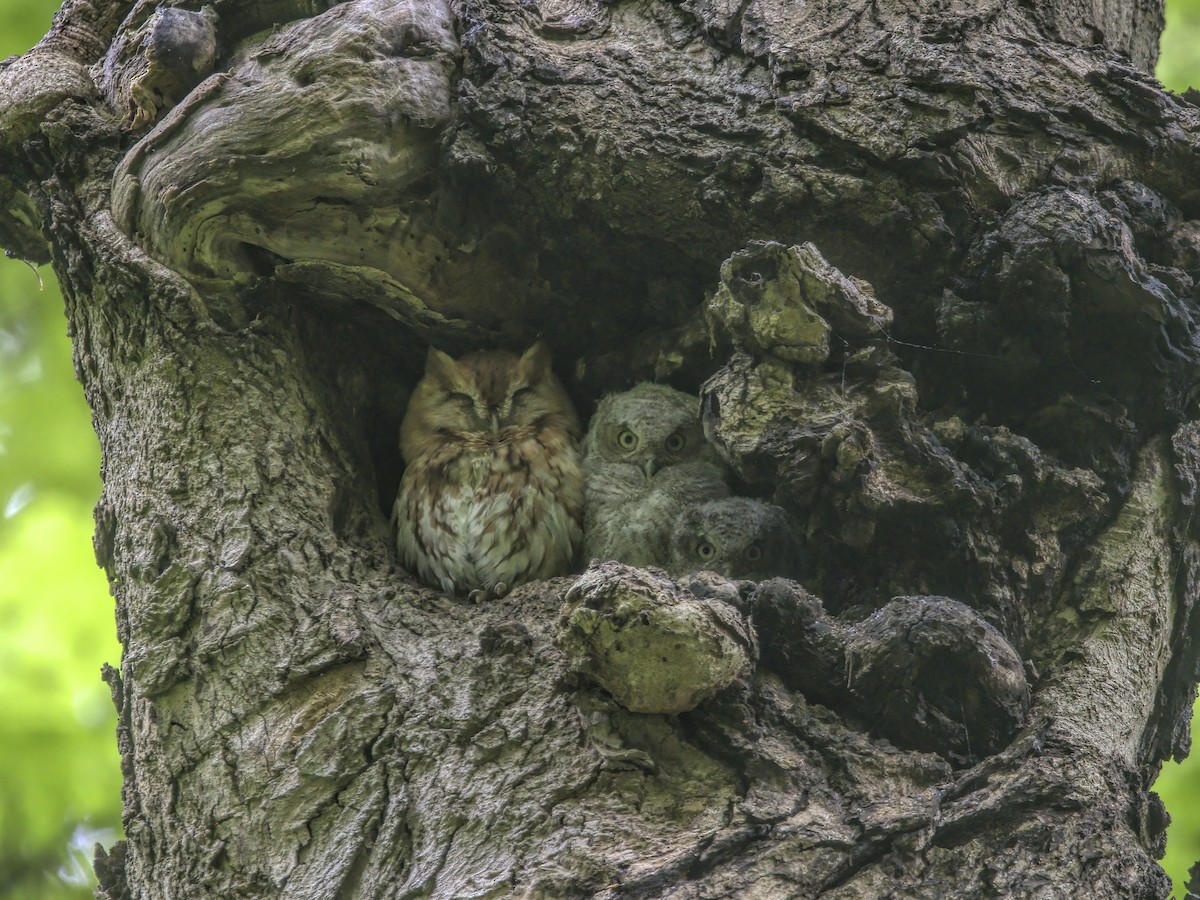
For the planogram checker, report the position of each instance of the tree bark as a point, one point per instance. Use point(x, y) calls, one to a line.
point(930, 267)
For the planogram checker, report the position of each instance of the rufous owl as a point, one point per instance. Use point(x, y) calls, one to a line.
point(492, 493)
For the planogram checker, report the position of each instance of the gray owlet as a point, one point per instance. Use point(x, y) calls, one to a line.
point(492, 493)
point(646, 461)
point(737, 537)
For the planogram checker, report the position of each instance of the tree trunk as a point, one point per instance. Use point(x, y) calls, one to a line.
point(930, 267)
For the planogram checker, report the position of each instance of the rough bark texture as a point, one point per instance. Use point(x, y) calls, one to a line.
point(931, 267)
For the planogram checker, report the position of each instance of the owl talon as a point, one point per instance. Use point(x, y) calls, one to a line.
point(499, 590)
point(477, 596)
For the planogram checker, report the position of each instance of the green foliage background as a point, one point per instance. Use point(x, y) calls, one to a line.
point(59, 776)
point(60, 782)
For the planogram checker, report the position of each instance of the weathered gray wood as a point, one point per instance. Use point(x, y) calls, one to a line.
point(972, 381)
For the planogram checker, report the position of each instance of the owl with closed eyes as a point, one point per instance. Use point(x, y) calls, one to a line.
point(737, 537)
point(646, 460)
point(492, 492)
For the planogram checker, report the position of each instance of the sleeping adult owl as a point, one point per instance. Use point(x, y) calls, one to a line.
point(646, 460)
point(492, 493)
point(737, 537)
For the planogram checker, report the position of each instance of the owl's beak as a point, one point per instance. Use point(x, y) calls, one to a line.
point(649, 468)
point(495, 422)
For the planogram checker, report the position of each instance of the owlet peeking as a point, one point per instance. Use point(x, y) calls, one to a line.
point(737, 537)
point(492, 493)
point(646, 461)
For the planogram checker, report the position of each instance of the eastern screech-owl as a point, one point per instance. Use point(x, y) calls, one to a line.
point(646, 461)
point(492, 493)
point(737, 537)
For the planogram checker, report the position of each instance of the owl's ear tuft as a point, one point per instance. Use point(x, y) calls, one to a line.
point(535, 361)
point(440, 366)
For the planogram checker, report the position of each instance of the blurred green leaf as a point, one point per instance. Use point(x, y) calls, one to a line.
point(1179, 787)
point(1179, 59)
point(60, 790)
point(57, 745)
point(46, 437)
point(22, 24)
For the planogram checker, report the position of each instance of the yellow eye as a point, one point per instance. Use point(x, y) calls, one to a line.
point(676, 442)
point(627, 440)
point(521, 393)
point(705, 550)
point(753, 553)
point(461, 398)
